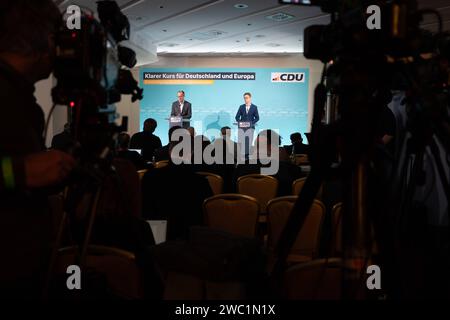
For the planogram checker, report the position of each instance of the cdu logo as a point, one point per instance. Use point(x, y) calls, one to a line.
point(290, 77)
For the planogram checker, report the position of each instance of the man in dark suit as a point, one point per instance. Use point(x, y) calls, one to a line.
point(297, 146)
point(146, 140)
point(182, 108)
point(247, 112)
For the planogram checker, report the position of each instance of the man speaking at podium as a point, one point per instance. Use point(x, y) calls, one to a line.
point(182, 108)
point(248, 115)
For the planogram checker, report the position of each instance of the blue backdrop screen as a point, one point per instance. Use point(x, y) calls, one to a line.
point(281, 96)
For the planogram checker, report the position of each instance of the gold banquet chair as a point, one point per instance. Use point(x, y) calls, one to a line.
point(314, 280)
point(234, 213)
point(123, 277)
point(306, 246)
point(261, 187)
point(298, 185)
point(161, 164)
point(215, 182)
point(142, 173)
point(336, 230)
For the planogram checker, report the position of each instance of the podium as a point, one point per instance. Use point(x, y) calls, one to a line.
point(243, 124)
point(178, 122)
point(245, 137)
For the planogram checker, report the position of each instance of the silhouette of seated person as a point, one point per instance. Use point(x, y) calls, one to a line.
point(163, 152)
point(175, 193)
point(123, 152)
point(268, 143)
point(297, 146)
point(146, 140)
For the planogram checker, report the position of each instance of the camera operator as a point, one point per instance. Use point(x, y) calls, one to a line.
point(26, 53)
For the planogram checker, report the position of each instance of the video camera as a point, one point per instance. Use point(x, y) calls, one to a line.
point(394, 55)
point(349, 37)
point(91, 72)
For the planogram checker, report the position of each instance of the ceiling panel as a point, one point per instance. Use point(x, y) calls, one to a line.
point(154, 11)
point(231, 26)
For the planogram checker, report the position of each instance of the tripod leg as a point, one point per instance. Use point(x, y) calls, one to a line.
point(443, 175)
point(54, 254)
point(91, 221)
point(357, 249)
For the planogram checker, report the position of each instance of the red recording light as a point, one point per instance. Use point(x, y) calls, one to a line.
point(72, 104)
point(74, 35)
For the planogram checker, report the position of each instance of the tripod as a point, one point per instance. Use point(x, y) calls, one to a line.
point(356, 131)
point(92, 183)
point(413, 231)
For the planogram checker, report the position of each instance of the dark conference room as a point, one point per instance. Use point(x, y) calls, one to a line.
point(256, 152)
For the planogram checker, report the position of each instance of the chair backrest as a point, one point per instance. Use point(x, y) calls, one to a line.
point(314, 280)
point(234, 213)
point(336, 230)
point(123, 276)
point(161, 164)
point(308, 239)
point(141, 173)
point(215, 182)
point(298, 185)
point(261, 187)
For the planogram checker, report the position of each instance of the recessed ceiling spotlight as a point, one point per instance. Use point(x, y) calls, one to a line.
point(168, 44)
point(280, 17)
point(241, 6)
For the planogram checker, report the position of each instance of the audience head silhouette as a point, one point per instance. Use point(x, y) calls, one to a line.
point(150, 125)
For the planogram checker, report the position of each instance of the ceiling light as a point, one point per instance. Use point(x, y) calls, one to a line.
point(168, 44)
point(241, 6)
point(280, 16)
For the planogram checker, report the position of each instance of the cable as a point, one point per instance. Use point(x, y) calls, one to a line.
point(48, 122)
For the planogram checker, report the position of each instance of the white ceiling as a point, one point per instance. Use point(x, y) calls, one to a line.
point(218, 26)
